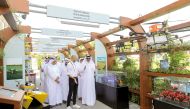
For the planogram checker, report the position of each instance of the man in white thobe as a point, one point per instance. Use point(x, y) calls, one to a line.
point(64, 79)
point(43, 75)
point(53, 83)
point(80, 78)
point(88, 86)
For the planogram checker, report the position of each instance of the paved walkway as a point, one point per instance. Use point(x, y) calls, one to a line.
point(98, 105)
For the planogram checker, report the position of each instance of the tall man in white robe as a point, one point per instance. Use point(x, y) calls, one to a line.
point(88, 86)
point(53, 83)
point(43, 75)
point(64, 79)
point(80, 78)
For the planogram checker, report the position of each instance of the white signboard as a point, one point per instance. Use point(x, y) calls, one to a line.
point(63, 41)
point(57, 32)
point(77, 15)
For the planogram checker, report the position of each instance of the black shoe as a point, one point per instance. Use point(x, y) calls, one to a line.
point(64, 102)
point(51, 106)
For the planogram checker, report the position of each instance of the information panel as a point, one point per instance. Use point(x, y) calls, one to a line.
point(77, 15)
point(57, 32)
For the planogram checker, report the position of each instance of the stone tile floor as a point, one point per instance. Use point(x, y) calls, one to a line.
point(98, 105)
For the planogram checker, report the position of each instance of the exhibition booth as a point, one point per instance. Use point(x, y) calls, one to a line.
point(147, 63)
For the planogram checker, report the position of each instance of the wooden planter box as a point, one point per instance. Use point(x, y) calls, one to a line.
point(167, 105)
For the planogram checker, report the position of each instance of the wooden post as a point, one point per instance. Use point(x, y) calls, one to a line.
point(1, 63)
point(145, 81)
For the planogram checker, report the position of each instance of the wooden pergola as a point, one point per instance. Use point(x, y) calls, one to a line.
point(134, 25)
point(7, 7)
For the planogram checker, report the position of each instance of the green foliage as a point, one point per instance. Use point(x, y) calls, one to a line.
point(117, 64)
point(129, 64)
point(160, 84)
point(178, 59)
point(133, 76)
point(179, 62)
point(135, 98)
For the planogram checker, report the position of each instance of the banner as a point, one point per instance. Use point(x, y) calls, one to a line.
point(100, 56)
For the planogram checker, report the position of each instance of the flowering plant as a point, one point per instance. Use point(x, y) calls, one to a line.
point(175, 96)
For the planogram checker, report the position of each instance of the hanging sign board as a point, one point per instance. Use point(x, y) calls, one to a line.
point(57, 32)
point(64, 41)
point(77, 15)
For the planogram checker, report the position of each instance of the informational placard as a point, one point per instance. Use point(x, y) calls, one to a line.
point(57, 32)
point(100, 56)
point(14, 61)
point(188, 88)
point(77, 15)
point(164, 65)
point(14, 71)
point(101, 63)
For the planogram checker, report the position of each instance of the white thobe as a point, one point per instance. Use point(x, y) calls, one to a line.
point(88, 86)
point(54, 88)
point(64, 81)
point(43, 77)
point(80, 81)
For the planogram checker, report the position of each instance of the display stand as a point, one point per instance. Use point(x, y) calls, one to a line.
point(115, 97)
point(10, 98)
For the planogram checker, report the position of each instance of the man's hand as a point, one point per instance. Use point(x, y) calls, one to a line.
point(75, 81)
point(79, 74)
point(57, 80)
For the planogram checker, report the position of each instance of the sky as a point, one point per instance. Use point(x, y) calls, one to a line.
point(114, 8)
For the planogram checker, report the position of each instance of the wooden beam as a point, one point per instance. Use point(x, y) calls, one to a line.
point(20, 6)
point(4, 4)
point(9, 6)
point(70, 46)
point(24, 29)
point(125, 40)
point(179, 26)
point(124, 53)
point(162, 11)
point(83, 43)
point(157, 74)
point(3, 10)
point(79, 42)
point(10, 20)
point(89, 49)
point(111, 31)
point(7, 33)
